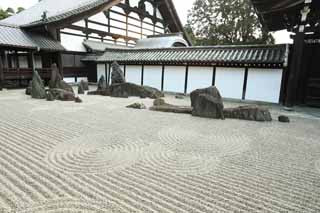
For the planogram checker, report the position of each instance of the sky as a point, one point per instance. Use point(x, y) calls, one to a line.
point(182, 6)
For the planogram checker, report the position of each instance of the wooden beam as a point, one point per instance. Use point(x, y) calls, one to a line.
point(162, 77)
point(142, 74)
point(214, 75)
point(245, 83)
point(186, 80)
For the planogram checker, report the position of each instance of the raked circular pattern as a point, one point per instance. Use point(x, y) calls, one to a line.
point(71, 206)
point(185, 151)
point(95, 154)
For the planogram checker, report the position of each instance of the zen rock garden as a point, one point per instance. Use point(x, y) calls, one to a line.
point(206, 102)
point(58, 88)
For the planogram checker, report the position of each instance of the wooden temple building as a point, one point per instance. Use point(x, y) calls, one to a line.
point(302, 18)
point(146, 37)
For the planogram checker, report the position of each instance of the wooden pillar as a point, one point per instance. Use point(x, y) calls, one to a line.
point(60, 64)
point(297, 58)
point(214, 76)
point(245, 83)
point(186, 80)
point(32, 63)
point(106, 73)
point(142, 74)
point(162, 77)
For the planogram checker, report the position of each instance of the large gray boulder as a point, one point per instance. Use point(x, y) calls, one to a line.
point(55, 77)
point(117, 76)
point(102, 84)
point(129, 89)
point(250, 113)
point(64, 86)
point(207, 103)
point(38, 90)
point(63, 95)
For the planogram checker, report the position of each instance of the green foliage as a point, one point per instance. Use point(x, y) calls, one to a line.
point(220, 22)
point(9, 12)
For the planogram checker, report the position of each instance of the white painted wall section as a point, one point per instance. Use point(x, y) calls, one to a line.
point(133, 74)
point(264, 85)
point(199, 77)
point(230, 81)
point(174, 78)
point(72, 43)
point(152, 76)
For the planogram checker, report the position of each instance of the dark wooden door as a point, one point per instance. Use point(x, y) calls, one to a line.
point(312, 90)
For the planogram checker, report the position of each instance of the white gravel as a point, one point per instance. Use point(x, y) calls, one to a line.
point(99, 156)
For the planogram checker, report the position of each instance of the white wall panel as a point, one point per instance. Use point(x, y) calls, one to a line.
point(174, 78)
point(23, 62)
point(72, 43)
point(133, 74)
point(264, 85)
point(230, 81)
point(199, 77)
point(101, 71)
point(152, 76)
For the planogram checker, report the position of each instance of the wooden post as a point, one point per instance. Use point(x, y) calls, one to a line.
point(162, 77)
point(60, 65)
point(214, 76)
point(106, 72)
point(297, 58)
point(245, 82)
point(142, 74)
point(186, 80)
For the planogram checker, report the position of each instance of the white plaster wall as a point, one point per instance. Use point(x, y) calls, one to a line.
point(230, 81)
point(264, 85)
point(69, 80)
point(152, 76)
point(199, 77)
point(72, 43)
point(101, 71)
point(133, 74)
point(174, 78)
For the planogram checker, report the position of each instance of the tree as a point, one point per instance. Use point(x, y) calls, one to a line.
point(218, 22)
point(9, 12)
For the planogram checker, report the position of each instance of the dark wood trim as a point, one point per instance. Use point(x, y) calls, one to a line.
point(162, 77)
point(214, 70)
point(186, 80)
point(245, 83)
point(109, 74)
point(106, 72)
point(124, 70)
point(142, 74)
point(283, 85)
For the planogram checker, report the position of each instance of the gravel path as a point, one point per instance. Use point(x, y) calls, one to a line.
point(99, 156)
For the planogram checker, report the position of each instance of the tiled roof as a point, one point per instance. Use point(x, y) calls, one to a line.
point(162, 41)
point(15, 37)
point(96, 46)
point(55, 10)
point(254, 54)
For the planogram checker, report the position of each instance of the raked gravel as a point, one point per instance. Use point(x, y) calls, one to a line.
point(99, 156)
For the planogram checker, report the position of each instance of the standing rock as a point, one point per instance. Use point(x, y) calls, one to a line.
point(80, 89)
point(55, 77)
point(38, 90)
point(207, 103)
point(102, 84)
point(284, 119)
point(251, 113)
point(117, 76)
point(159, 102)
point(85, 85)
